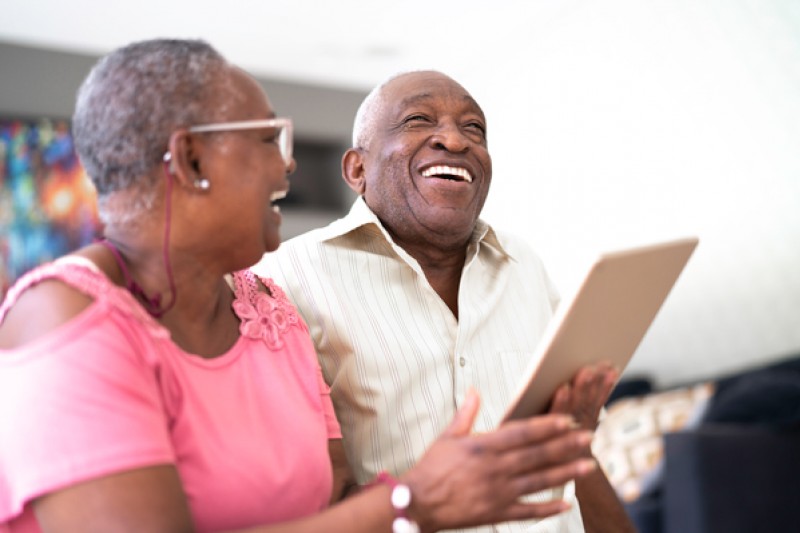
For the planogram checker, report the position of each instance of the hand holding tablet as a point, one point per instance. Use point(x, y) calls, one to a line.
point(604, 321)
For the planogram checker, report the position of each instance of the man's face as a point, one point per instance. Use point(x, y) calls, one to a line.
point(427, 167)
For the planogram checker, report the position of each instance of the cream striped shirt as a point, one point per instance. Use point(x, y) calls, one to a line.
point(397, 360)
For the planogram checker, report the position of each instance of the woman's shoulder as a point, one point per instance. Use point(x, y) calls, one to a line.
point(52, 295)
point(264, 309)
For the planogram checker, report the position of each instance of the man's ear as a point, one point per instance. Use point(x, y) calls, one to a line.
point(353, 170)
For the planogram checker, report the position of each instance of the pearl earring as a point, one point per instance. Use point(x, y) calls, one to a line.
point(169, 163)
point(202, 183)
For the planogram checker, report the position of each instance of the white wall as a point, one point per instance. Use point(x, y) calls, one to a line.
point(623, 122)
point(612, 123)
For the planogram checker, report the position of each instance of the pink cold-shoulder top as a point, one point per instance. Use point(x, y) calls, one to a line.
point(109, 391)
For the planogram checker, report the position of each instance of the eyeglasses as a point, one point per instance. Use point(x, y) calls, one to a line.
point(283, 133)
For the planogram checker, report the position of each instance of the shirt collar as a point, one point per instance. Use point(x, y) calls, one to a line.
point(362, 218)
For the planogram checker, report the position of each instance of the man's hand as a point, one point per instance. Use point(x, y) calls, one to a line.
point(583, 398)
point(585, 395)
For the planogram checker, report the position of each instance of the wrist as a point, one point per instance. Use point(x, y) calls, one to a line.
point(400, 499)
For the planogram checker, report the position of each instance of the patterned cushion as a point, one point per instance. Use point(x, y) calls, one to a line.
point(628, 443)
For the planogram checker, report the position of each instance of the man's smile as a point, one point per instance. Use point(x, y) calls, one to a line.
point(448, 172)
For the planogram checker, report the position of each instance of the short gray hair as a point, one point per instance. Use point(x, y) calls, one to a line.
point(133, 99)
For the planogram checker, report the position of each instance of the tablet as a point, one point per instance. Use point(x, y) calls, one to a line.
point(604, 321)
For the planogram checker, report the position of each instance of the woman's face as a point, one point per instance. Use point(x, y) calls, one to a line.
point(247, 173)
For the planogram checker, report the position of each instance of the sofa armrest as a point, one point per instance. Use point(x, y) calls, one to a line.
point(728, 478)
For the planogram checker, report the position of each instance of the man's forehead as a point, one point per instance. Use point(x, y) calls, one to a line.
point(424, 87)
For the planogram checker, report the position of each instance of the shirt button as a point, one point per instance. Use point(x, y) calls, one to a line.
point(462, 361)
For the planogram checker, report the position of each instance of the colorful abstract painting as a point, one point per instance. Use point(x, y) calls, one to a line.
point(47, 203)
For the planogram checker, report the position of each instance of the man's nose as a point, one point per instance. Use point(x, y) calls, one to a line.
point(448, 136)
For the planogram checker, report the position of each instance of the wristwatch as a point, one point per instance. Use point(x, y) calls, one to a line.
point(401, 500)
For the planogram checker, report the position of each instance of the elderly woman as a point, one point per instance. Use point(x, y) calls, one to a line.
point(149, 382)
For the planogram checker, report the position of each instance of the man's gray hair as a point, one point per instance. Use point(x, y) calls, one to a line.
point(364, 123)
point(133, 99)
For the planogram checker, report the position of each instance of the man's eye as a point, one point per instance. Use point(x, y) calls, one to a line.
point(416, 118)
point(476, 130)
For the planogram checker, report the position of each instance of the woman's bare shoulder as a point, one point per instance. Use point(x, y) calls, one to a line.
point(39, 310)
point(49, 303)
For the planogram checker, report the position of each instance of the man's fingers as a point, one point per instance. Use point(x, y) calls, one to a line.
point(560, 401)
point(596, 378)
point(610, 377)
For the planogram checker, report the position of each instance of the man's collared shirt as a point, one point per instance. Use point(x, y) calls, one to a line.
point(397, 360)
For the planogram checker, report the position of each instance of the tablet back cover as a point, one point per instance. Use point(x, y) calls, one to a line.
point(605, 320)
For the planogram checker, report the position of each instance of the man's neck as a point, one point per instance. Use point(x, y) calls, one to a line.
point(442, 268)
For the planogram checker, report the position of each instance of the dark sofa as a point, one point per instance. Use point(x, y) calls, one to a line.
point(739, 469)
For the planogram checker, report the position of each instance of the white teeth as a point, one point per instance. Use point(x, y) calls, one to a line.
point(446, 170)
point(276, 209)
point(277, 195)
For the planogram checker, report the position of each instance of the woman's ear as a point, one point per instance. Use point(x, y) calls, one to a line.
point(184, 159)
point(353, 170)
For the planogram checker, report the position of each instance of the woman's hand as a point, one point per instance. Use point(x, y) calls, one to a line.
point(467, 479)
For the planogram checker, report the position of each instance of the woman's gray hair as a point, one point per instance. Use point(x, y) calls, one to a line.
point(131, 102)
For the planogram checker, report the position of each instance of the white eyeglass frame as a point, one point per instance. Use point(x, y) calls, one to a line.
point(284, 125)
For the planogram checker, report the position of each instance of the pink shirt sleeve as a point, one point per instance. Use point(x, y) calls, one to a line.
point(334, 431)
point(76, 404)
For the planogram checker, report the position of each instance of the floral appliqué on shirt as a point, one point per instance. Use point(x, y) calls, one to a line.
point(264, 317)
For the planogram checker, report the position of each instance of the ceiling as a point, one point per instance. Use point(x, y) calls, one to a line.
point(346, 43)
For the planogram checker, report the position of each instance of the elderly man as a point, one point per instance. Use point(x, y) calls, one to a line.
point(411, 299)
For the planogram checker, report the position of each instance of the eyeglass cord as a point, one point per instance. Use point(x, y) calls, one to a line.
point(151, 304)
